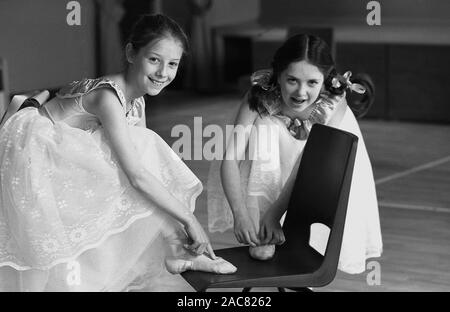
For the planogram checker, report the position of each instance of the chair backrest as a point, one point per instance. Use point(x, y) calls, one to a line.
point(321, 189)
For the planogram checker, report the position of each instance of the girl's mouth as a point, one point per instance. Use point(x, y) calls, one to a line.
point(158, 82)
point(298, 101)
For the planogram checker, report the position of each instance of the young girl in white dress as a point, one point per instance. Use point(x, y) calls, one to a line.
point(252, 194)
point(92, 200)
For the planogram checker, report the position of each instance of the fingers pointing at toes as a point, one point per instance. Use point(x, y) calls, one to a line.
point(210, 252)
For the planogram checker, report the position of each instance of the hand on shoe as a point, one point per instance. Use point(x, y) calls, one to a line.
point(198, 240)
point(245, 230)
point(270, 231)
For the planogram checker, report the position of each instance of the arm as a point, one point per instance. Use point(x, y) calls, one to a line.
point(244, 228)
point(106, 106)
point(271, 231)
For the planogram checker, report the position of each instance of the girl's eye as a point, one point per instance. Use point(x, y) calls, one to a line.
point(292, 80)
point(153, 60)
point(173, 64)
point(313, 82)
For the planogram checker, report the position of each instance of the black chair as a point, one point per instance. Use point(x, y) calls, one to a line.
point(320, 195)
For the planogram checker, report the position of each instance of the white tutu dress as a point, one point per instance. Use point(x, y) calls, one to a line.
point(263, 179)
point(69, 218)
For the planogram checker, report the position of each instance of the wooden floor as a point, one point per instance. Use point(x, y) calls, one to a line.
point(411, 163)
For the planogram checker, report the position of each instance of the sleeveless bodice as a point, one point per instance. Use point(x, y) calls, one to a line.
point(67, 106)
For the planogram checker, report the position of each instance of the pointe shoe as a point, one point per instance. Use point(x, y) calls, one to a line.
point(218, 266)
point(200, 263)
point(177, 266)
point(42, 96)
point(13, 107)
point(263, 252)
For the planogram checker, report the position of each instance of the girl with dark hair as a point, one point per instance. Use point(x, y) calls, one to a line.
point(90, 199)
point(251, 194)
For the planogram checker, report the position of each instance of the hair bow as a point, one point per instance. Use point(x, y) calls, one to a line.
point(340, 80)
point(263, 79)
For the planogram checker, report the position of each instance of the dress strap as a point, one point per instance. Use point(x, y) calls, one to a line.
point(86, 85)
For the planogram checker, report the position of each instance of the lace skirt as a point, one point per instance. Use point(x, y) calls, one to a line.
point(70, 220)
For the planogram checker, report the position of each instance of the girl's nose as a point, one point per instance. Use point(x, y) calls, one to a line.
point(162, 71)
point(301, 90)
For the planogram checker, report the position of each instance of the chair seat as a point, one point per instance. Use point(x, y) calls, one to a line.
point(297, 266)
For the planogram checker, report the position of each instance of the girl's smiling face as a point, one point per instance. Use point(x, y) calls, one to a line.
point(155, 65)
point(300, 85)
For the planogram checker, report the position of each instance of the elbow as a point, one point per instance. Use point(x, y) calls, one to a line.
point(137, 180)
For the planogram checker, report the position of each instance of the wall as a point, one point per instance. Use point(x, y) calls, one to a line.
point(41, 49)
point(226, 12)
point(354, 11)
point(222, 12)
point(402, 21)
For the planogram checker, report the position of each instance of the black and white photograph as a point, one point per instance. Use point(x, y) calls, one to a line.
point(232, 147)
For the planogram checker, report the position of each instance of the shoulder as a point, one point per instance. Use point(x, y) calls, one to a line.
point(102, 96)
point(79, 87)
point(88, 86)
point(246, 115)
point(102, 101)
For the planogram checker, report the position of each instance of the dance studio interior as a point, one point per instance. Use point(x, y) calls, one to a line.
point(403, 46)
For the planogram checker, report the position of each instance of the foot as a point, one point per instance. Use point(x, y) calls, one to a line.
point(200, 263)
point(263, 252)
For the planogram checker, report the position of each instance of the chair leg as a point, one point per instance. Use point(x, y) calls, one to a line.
point(246, 289)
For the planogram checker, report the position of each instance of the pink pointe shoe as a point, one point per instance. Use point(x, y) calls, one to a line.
point(200, 263)
point(263, 252)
